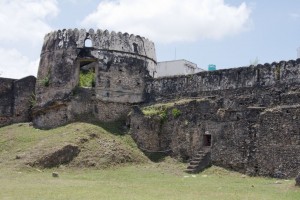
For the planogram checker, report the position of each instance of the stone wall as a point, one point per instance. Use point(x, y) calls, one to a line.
point(278, 141)
point(179, 136)
point(122, 64)
point(207, 82)
point(6, 100)
point(254, 140)
point(16, 99)
point(251, 114)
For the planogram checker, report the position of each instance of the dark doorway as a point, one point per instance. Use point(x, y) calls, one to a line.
point(207, 140)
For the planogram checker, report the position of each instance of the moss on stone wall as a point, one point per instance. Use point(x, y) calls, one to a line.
point(159, 108)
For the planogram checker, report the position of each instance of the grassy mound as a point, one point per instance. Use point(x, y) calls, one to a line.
point(22, 145)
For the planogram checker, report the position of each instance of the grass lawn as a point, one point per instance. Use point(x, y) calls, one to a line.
point(137, 178)
point(147, 181)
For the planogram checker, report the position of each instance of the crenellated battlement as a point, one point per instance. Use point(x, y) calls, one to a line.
point(100, 40)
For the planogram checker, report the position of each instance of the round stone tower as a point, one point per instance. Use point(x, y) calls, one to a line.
point(91, 75)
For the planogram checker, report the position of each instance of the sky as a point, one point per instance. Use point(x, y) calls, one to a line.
point(227, 33)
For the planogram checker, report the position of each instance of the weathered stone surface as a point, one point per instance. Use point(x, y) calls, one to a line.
point(16, 99)
point(251, 114)
point(6, 101)
point(297, 179)
point(252, 141)
point(24, 99)
point(181, 134)
point(121, 63)
point(278, 141)
point(247, 79)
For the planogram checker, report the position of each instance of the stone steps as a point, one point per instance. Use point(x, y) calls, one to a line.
point(199, 162)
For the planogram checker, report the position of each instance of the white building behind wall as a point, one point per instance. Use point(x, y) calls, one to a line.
point(176, 67)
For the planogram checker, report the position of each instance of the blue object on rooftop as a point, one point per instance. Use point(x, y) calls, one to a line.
point(212, 67)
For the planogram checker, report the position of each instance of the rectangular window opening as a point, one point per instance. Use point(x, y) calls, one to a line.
point(87, 76)
point(207, 140)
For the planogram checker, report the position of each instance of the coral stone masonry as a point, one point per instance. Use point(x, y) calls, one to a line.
point(16, 100)
point(245, 119)
point(251, 115)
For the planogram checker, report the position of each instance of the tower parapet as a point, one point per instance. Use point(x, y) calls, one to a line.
point(100, 40)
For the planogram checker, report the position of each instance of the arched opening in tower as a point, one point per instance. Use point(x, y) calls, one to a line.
point(88, 43)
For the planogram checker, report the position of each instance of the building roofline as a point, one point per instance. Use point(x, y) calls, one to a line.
point(169, 61)
point(177, 60)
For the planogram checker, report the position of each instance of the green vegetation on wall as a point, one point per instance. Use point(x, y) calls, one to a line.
point(176, 113)
point(157, 110)
point(154, 110)
point(32, 99)
point(161, 108)
point(46, 81)
point(163, 116)
point(87, 78)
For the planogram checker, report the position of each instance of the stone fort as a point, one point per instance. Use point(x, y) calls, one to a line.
point(245, 119)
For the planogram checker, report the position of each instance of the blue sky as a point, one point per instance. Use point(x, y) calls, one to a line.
point(228, 33)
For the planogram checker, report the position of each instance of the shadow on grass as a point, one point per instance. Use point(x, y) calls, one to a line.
point(156, 156)
point(116, 127)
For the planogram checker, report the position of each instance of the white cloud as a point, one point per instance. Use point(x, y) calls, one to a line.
point(16, 65)
point(25, 19)
point(294, 15)
point(171, 20)
point(78, 1)
point(24, 24)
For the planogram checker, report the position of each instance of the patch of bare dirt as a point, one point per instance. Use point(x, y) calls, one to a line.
point(56, 156)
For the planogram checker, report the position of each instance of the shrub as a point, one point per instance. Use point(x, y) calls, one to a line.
point(176, 113)
point(46, 81)
point(163, 116)
point(32, 99)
